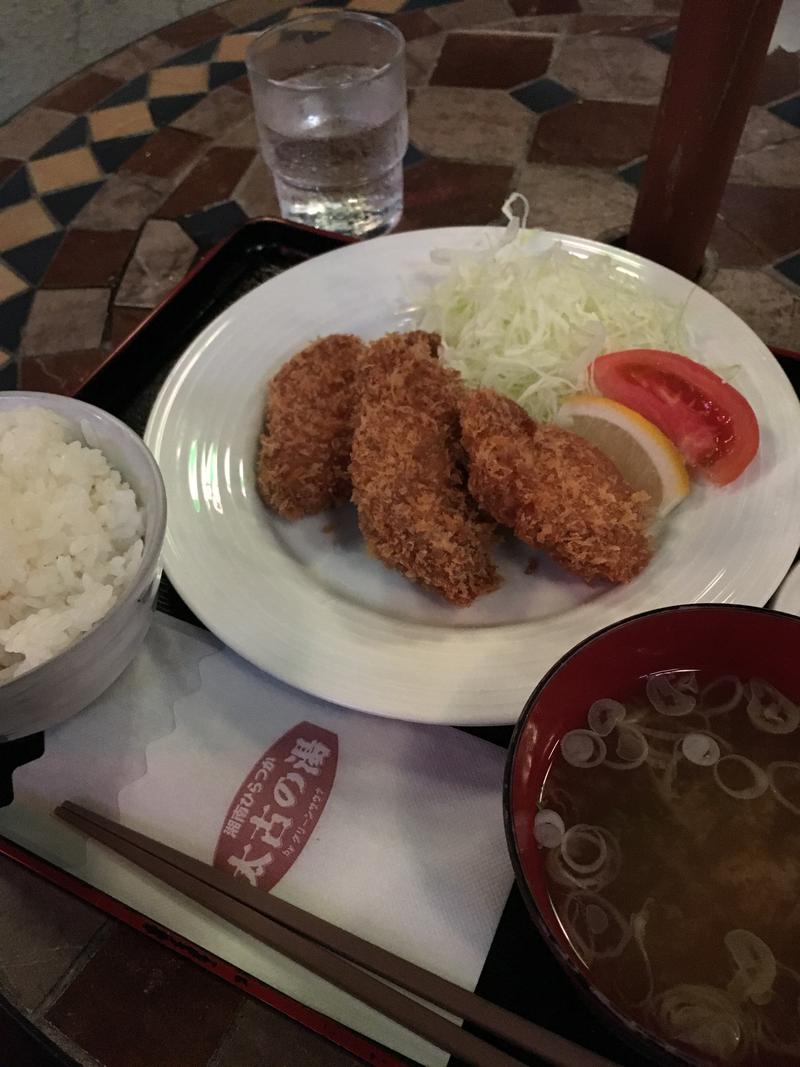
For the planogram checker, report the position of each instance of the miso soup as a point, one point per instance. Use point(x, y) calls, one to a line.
point(671, 824)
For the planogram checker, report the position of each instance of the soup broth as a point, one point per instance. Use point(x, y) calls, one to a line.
point(672, 830)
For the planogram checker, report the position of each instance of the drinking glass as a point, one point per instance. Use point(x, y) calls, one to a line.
point(329, 92)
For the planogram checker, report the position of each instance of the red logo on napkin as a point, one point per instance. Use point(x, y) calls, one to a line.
point(278, 805)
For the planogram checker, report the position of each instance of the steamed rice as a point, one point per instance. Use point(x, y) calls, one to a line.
point(70, 538)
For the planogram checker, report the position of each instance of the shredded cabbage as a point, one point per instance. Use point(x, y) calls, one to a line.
point(529, 325)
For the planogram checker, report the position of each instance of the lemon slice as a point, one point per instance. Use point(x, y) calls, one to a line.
point(645, 458)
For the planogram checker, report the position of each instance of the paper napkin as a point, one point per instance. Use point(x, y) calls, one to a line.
point(389, 829)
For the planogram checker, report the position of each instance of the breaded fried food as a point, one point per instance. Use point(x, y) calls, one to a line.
point(413, 508)
point(555, 490)
point(304, 451)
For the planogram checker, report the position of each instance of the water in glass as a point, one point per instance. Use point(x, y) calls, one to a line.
point(334, 136)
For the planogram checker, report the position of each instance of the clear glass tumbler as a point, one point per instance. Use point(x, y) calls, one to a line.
point(329, 92)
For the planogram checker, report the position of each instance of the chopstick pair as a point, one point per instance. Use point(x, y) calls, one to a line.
point(342, 958)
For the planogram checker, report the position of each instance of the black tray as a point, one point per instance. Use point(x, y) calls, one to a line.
point(519, 973)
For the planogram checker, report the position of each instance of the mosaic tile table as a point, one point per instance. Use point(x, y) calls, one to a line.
point(114, 183)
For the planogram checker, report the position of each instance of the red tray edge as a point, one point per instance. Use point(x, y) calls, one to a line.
point(208, 256)
point(193, 271)
point(335, 1032)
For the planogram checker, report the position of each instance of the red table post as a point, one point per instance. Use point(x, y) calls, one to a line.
point(716, 59)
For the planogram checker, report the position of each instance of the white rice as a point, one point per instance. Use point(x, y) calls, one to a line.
point(70, 538)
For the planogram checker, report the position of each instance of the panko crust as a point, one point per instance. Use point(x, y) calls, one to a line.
point(553, 489)
point(408, 487)
point(304, 452)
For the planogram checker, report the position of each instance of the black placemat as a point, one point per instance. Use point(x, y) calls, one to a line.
point(520, 972)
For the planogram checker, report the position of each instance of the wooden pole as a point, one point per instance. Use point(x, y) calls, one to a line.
point(717, 57)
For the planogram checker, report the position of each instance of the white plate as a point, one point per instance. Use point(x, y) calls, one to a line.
point(788, 596)
point(314, 610)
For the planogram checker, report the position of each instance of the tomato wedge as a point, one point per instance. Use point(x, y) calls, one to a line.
point(709, 421)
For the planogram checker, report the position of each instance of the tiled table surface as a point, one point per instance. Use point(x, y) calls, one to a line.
point(115, 182)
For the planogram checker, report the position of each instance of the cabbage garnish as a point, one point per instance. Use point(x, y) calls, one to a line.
point(529, 324)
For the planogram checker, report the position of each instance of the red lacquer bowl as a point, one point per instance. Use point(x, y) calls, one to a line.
point(720, 638)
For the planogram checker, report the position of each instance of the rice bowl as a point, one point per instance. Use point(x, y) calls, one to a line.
point(70, 538)
point(79, 555)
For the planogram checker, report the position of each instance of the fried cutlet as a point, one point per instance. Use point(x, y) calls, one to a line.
point(407, 485)
point(304, 451)
point(553, 489)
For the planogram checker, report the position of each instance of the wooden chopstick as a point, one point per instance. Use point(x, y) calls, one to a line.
point(330, 951)
point(409, 976)
point(391, 1003)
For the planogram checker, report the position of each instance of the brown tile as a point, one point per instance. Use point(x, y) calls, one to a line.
point(28, 131)
point(75, 167)
point(137, 58)
point(240, 84)
point(88, 258)
point(765, 304)
point(195, 29)
point(256, 191)
point(167, 152)
point(577, 200)
point(422, 56)
point(124, 202)
point(413, 24)
point(122, 121)
point(623, 25)
point(10, 283)
point(79, 94)
point(618, 7)
point(440, 193)
point(42, 931)
point(216, 113)
point(64, 372)
point(8, 167)
point(123, 322)
point(24, 222)
point(733, 249)
point(491, 60)
point(135, 1000)
point(60, 317)
point(780, 77)
point(775, 164)
point(233, 47)
point(474, 125)
point(377, 7)
point(213, 179)
point(465, 13)
point(161, 259)
point(763, 128)
point(769, 218)
point(553, 25)
point(243, 12)
point(611, 68)
point(593, 133)
point(179, 80)
point(545, 7)
point(243, 135)
point(549, 24)
point(261, 1037)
